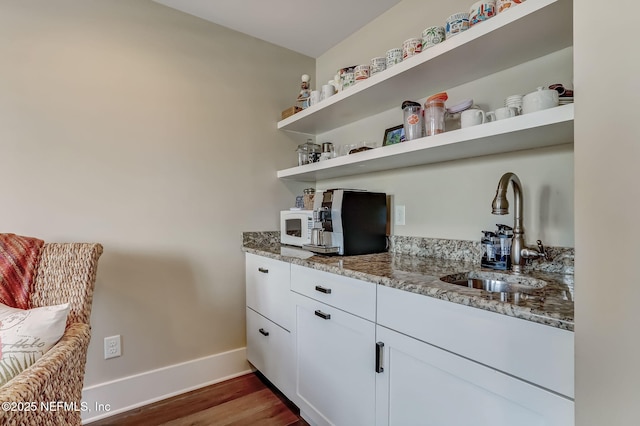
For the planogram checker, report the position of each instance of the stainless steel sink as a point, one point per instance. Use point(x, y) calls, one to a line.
point(494, 286)
point(495, 282)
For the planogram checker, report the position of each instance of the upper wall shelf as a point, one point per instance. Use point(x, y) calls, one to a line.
point(532, 29)
point(549, 127)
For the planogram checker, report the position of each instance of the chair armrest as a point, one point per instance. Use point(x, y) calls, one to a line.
point(55, 381)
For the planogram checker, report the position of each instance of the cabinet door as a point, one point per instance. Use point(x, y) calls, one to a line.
point(335, 364)
point(424, 385)
point(533, 352)
point(268, 289)
point(270, 350)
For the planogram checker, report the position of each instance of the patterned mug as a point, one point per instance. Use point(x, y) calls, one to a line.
point(502, 5)
point(411, 47)
point(394, 56)
point(432, 36)
point(456, 23)
point(481, 11)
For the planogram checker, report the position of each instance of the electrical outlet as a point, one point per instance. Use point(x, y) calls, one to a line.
point(112, 347)
point(400, 215)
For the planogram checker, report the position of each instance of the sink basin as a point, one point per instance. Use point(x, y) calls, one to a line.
point(495, 282)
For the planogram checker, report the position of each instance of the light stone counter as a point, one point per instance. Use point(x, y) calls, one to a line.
point(416, 265)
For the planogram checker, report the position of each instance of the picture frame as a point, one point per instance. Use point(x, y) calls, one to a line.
point(393, 135)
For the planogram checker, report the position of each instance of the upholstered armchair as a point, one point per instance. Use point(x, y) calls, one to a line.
point(66, 273)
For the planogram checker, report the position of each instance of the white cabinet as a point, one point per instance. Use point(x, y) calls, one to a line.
point(445, 363)
point(357, 353)
point(534, 352)
point(425, 385)
point(533, 29)
point(335, 349)
point(270, 318)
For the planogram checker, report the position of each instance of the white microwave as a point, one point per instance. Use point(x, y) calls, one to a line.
point(295, 227)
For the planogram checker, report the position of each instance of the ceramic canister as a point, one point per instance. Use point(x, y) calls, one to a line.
point(481, 11)
point(411, 47)
point(432, 36)
point(378, 64)
point(394, 56)
point(456, 23)
point(540, 99)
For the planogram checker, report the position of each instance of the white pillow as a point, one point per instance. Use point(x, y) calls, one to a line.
point(25, 335)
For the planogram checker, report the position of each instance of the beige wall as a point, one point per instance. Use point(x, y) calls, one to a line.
point(154, 133)
point(453, 199)
point(607, 231)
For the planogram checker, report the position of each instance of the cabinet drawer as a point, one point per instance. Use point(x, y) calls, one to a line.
point(534, 352)
point(351, 295)
point(270, 350)
point(268, 289)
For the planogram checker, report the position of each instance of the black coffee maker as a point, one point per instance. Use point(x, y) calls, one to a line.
point(353, 221)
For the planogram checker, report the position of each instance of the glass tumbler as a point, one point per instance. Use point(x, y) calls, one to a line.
point(413, 120)
point(434, 113)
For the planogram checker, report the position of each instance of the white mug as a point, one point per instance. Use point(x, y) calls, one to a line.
point(315, 97)
point(502, 113)
point(472, 117)
point(327, 91)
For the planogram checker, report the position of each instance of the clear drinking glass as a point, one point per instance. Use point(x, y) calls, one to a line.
point(434, 113)
point(413, 120)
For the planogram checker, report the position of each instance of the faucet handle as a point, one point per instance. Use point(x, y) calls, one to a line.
point(531, 253)
point(541, 249)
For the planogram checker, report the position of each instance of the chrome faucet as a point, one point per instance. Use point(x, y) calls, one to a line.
point(519, 252)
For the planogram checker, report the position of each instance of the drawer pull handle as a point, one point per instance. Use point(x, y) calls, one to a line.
point(263, 270)
point(322, 315)
point(379, 352)
point(264, 333)
point(323, 289)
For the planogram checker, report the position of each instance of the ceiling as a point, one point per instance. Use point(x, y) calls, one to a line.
point(310, 27)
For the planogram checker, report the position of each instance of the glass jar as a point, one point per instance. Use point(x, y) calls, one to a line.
point(308, 152)
point(308, 198)
point(453, 114)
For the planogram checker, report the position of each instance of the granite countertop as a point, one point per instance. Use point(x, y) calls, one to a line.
point(551, 305)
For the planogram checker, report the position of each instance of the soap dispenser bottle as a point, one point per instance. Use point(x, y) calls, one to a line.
point(503, 249)
point(489, 246)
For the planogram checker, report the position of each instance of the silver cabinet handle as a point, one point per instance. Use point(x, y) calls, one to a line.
point(263, 270)
point(264, 333)
point(323, 289)
point(322, 315)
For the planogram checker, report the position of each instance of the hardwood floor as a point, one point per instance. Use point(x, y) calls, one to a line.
point(245, 400)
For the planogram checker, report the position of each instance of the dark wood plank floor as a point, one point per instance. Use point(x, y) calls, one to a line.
point(245, 400)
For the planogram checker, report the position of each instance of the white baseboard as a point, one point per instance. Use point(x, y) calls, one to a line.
point(117, 396)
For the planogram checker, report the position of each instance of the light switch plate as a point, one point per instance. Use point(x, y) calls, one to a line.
point(400, 215)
